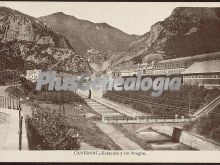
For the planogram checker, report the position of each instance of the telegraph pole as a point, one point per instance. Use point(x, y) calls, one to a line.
point(20, 127)
point(20, 122)
point(20, 117)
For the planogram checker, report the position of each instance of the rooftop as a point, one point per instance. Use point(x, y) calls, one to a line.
point(204, 67)
point(197, 57)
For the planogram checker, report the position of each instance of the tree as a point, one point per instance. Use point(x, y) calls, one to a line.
point(215, 133)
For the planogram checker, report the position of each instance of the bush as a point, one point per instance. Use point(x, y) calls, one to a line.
point(27, 85)
point(55, 134)
point(212, 94)
point(204, 125)
point(208, 125)
point(59, 97)
point(14, 91)
point(56, 97)
point(215, 133)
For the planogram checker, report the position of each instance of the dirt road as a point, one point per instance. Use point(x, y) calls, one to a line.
point(118, 137)
point(2, 91)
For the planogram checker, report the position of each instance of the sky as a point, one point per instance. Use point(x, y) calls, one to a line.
point(130, 17)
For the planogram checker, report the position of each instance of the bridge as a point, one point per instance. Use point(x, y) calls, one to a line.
point(143, 119)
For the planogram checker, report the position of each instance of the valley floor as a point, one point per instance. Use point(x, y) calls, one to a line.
point(95, 134)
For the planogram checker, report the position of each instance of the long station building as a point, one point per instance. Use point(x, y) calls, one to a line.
point(201, 70)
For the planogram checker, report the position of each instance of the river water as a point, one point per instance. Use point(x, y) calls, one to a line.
point(159, 141)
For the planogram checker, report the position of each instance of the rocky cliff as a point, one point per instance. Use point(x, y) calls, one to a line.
point(27, 43)
point(187, 31)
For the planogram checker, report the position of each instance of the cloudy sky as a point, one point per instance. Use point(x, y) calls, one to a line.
point(130, 17)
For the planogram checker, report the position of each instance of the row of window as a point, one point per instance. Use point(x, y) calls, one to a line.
point(201, 81)
point(170, 65)
point(170, 71)
point(203, 76)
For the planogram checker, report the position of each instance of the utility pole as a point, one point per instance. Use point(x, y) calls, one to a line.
point(20, 117)
point(20, 124)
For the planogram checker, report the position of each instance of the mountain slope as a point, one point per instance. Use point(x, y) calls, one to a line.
point(187, 31)
point(27, 43)
point(85, 35)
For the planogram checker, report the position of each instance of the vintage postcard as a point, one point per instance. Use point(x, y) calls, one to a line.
point(109, 81)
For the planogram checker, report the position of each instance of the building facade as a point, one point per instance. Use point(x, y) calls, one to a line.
point(32, 75)
point(206, 73)
point(196, 70)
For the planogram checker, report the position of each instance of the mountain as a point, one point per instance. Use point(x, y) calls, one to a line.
point(65, 43)
point(28, 43)
point(188, 31)
point(101, 60)
point(84, 35)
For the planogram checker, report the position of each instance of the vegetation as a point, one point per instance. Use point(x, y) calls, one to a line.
point(80, 120)
point(208, 126)
point(169, 103)
point(8, 77)
point(27, 89)
point(48, 131)
point(52, 127)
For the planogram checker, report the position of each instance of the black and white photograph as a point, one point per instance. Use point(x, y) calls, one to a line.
point(109, 79)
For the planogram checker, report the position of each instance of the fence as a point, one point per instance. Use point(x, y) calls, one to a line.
point(9, 102)
point(143, 119)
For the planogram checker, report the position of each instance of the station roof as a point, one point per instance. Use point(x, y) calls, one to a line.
point(204, 67)
point(196, 57)
point(201, 57)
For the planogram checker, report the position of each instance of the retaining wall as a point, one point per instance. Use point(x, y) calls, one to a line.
point(189, 139)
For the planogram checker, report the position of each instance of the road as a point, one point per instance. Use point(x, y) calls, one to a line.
point(9, 137)
point(101, 109)
point(119, 138)
point(2, 90)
